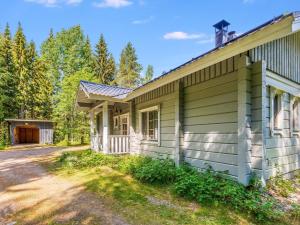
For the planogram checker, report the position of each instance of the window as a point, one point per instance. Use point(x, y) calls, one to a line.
point(116, 122)
point(295, 115)
point(276, 111)
point(150, 124)
point(124, 124)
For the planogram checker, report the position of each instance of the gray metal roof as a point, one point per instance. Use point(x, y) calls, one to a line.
point(104, 90)
point(29, 120)
point(296, 14)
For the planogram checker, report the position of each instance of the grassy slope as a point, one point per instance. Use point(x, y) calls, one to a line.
point(130, 199)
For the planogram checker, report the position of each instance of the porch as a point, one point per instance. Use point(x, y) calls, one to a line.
point(109, 117)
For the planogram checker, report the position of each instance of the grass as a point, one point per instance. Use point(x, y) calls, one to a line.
point(130, 199)
point(140, 203)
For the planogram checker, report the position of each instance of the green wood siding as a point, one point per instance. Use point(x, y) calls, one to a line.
point(282, 56)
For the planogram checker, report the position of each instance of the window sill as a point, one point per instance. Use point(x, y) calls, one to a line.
point(150, 142)
point(277, 132)
point(295, 133)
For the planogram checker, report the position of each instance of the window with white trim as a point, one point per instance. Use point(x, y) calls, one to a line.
point(276, 111)
point(124, 124)
point(150, 124)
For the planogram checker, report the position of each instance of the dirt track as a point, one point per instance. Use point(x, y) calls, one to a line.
point(30, 195)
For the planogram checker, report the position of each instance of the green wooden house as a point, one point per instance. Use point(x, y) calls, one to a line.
point(236, 107)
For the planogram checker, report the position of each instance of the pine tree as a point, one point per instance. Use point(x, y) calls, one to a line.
point(129, 68)
point(149, 74)
point(104, 63)
point(19, 59)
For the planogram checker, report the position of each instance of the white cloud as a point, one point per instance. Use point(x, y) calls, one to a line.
point(179, 35)
point(73, 2)
point(55, 3)
point(112, 3)
point(143, 21)
point(200, 38)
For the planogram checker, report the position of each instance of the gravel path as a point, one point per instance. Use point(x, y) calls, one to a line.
point(30, 195)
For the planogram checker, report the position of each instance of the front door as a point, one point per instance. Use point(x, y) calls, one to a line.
point(124, 120)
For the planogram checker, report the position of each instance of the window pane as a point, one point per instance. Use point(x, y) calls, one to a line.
point(276, 111)
point(144, 125)
point(296, 115)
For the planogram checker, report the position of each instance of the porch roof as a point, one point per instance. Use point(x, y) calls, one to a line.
point(104, 90)
point(91, 94)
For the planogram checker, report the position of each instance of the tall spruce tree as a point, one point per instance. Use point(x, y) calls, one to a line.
point(20, 63)
point(8, 80)
point(129, 69)
point(8, 84)
point(39, 87)
point(148, 75)
point(50, 55)
point(104, 63)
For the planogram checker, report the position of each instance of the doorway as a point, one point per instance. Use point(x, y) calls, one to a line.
point(27, 135)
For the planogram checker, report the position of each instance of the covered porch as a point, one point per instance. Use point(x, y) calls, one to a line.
point(109, 116)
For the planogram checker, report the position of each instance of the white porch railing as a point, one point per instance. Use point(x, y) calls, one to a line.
point(119, 144)
point(96, 144)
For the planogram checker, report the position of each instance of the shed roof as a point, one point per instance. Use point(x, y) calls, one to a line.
point(29, 120)
point(104, 90)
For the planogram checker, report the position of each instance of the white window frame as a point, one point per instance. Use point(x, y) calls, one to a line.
point(294, 130)
point(276, 130)
point(153, 108)
point(126, 115)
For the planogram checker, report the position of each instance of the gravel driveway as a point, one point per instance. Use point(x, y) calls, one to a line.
point(30, 195)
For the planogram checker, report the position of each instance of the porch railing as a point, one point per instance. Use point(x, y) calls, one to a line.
point(119, 144)
point(96, 143)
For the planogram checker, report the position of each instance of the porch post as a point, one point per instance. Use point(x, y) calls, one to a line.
point(92, 127)
point(97, 133)
point(105, 132)
point(132, 144)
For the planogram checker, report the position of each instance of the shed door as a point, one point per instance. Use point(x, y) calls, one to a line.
point(29, 135)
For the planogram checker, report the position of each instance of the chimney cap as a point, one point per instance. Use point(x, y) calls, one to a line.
point(220, 25)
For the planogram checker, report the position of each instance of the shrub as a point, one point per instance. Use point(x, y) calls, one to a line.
point(281, 186)
point(207, 186)
point(213, 187)
point(156, 171)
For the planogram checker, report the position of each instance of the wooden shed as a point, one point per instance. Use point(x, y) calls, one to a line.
point(29, 131)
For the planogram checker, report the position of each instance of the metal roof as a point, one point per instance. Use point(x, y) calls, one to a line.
point(120, 93)
point(29, 120)
point(104, 90)
point(272, 21)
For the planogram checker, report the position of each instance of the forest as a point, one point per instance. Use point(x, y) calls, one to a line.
point(41, 82)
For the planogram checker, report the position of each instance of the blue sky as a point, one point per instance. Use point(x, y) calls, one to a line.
point(165, 33)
